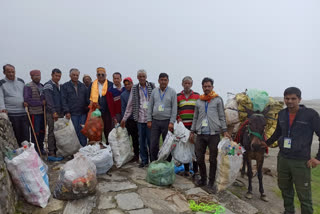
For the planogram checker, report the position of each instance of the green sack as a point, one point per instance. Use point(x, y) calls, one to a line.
point(259, 99)
point(96, 113)
point(161, 173)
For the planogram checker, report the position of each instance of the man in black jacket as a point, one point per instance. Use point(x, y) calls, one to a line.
point(294, 132)
point(74, 96)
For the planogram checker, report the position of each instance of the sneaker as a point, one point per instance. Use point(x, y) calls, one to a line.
point(142, 165)
point(211, 189)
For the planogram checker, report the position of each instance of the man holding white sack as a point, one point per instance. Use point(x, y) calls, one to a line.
point(208, 122)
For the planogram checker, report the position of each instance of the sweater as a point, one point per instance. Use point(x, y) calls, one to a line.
point(168, 100)
point(186, 107)
point(52, 95)
point(33, 95)
point(11, 96)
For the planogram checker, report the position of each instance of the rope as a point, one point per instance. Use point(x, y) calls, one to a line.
point(203, 202)
point(255, 134)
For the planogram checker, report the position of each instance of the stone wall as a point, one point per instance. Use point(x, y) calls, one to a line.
point(8, 196)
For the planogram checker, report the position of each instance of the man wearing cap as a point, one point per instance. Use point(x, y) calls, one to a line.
point(75, 103)
point(86, 80)
point(138, 107)
point(52, 94)
point(99, 92)
point(11, 102)
point(34, 100)
point(131, 125)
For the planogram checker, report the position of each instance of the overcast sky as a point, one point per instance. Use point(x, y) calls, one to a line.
point(268, 45)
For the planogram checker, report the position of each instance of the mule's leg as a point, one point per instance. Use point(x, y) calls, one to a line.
point(243, 169)
point(260, 161)
point(249, 173)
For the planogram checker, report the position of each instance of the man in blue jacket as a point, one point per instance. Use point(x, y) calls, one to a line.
point(75, 103)
point(54, 111)
point(295, 128)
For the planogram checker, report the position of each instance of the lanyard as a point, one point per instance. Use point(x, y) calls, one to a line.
point(206, 107)
point(164, 93)
point(145, 92)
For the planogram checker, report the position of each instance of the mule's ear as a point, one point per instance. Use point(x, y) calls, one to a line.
point(249, 112)
point(266, 110)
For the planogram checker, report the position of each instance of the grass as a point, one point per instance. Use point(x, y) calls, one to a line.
point(315, 187)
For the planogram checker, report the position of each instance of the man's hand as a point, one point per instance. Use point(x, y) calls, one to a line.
point(312, 163)
point(170, 127)
point(43, 102)
point(123, 124)
point(191, 137)
point(226, 134)
point(55, 116)
point(115, 121)
point(149, 124)
point(25, 104)
point(179, 120)
point(68, 116)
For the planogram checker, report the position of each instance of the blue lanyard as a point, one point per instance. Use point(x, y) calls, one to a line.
point(164, 93)
point(145, 92)
point(206, 107)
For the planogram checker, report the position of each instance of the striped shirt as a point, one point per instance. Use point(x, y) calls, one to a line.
point(186, 107)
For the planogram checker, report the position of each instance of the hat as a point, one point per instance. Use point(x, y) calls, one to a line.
point(35, 73)
point(127, 79)
point(101, 69)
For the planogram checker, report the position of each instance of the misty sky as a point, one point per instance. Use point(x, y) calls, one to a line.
point(268, 45)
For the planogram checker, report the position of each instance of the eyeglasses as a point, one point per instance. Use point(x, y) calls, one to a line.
point(100, 75)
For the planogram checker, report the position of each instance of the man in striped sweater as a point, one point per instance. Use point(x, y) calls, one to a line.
point(186, 103)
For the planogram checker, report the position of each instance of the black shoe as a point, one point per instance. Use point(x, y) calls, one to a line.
point(211, 189)
point(201, 183)
point(142, 165)
point(286, 212)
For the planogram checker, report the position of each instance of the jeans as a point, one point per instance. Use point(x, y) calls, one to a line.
point(144, 142)
point(204, 141)
point(132, 128)
point(38, 125)
point(77, 121)
point(20, 125)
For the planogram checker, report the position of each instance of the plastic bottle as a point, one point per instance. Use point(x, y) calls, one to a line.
point(233, 151)
point(227, 150)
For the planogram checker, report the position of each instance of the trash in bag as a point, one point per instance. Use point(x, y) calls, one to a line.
point(93, 127)
point(77, 179)
point(67, 141)
point(231, 110)
point(29, 174)
point(184, 149)
point(229, 162)
point(167, 146)
point(161, 173)
point(258, 98)
point(101, 157)
point(120, 145)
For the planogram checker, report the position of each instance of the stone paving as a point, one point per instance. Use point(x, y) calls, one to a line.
point(125, 190)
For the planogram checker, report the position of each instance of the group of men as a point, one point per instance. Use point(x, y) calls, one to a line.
point(149, 112)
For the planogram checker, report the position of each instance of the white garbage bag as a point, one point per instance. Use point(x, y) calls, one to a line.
point(184, 149)
point(229, 162)
point(29, 174)
point(120, 145)
point(102, 158)
point(67, 141)
point(167, 146)
point(231, 110)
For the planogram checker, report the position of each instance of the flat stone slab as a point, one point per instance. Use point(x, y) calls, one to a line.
point(137, 173)
point(115, 212)
point(196, 190)
point(106, 202)
point(183, 183)
point(142, 211)
point(164, 200)
point(105, 187)
point(53, 205)
point(81, 206)
point(113, 176)
point(129, 201)
point(233, 203)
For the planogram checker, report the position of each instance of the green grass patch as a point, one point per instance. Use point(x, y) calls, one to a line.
point(315, 187)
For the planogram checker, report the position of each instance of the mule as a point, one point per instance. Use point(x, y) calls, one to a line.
point(252, 139)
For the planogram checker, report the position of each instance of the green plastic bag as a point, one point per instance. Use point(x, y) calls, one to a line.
point(96, 113)
point(259, 99)
point(161, 173)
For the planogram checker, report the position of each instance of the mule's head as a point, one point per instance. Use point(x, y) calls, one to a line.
point(256, 127)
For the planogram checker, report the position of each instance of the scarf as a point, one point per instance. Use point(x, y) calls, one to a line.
point(94, 96)
point(208, 97)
